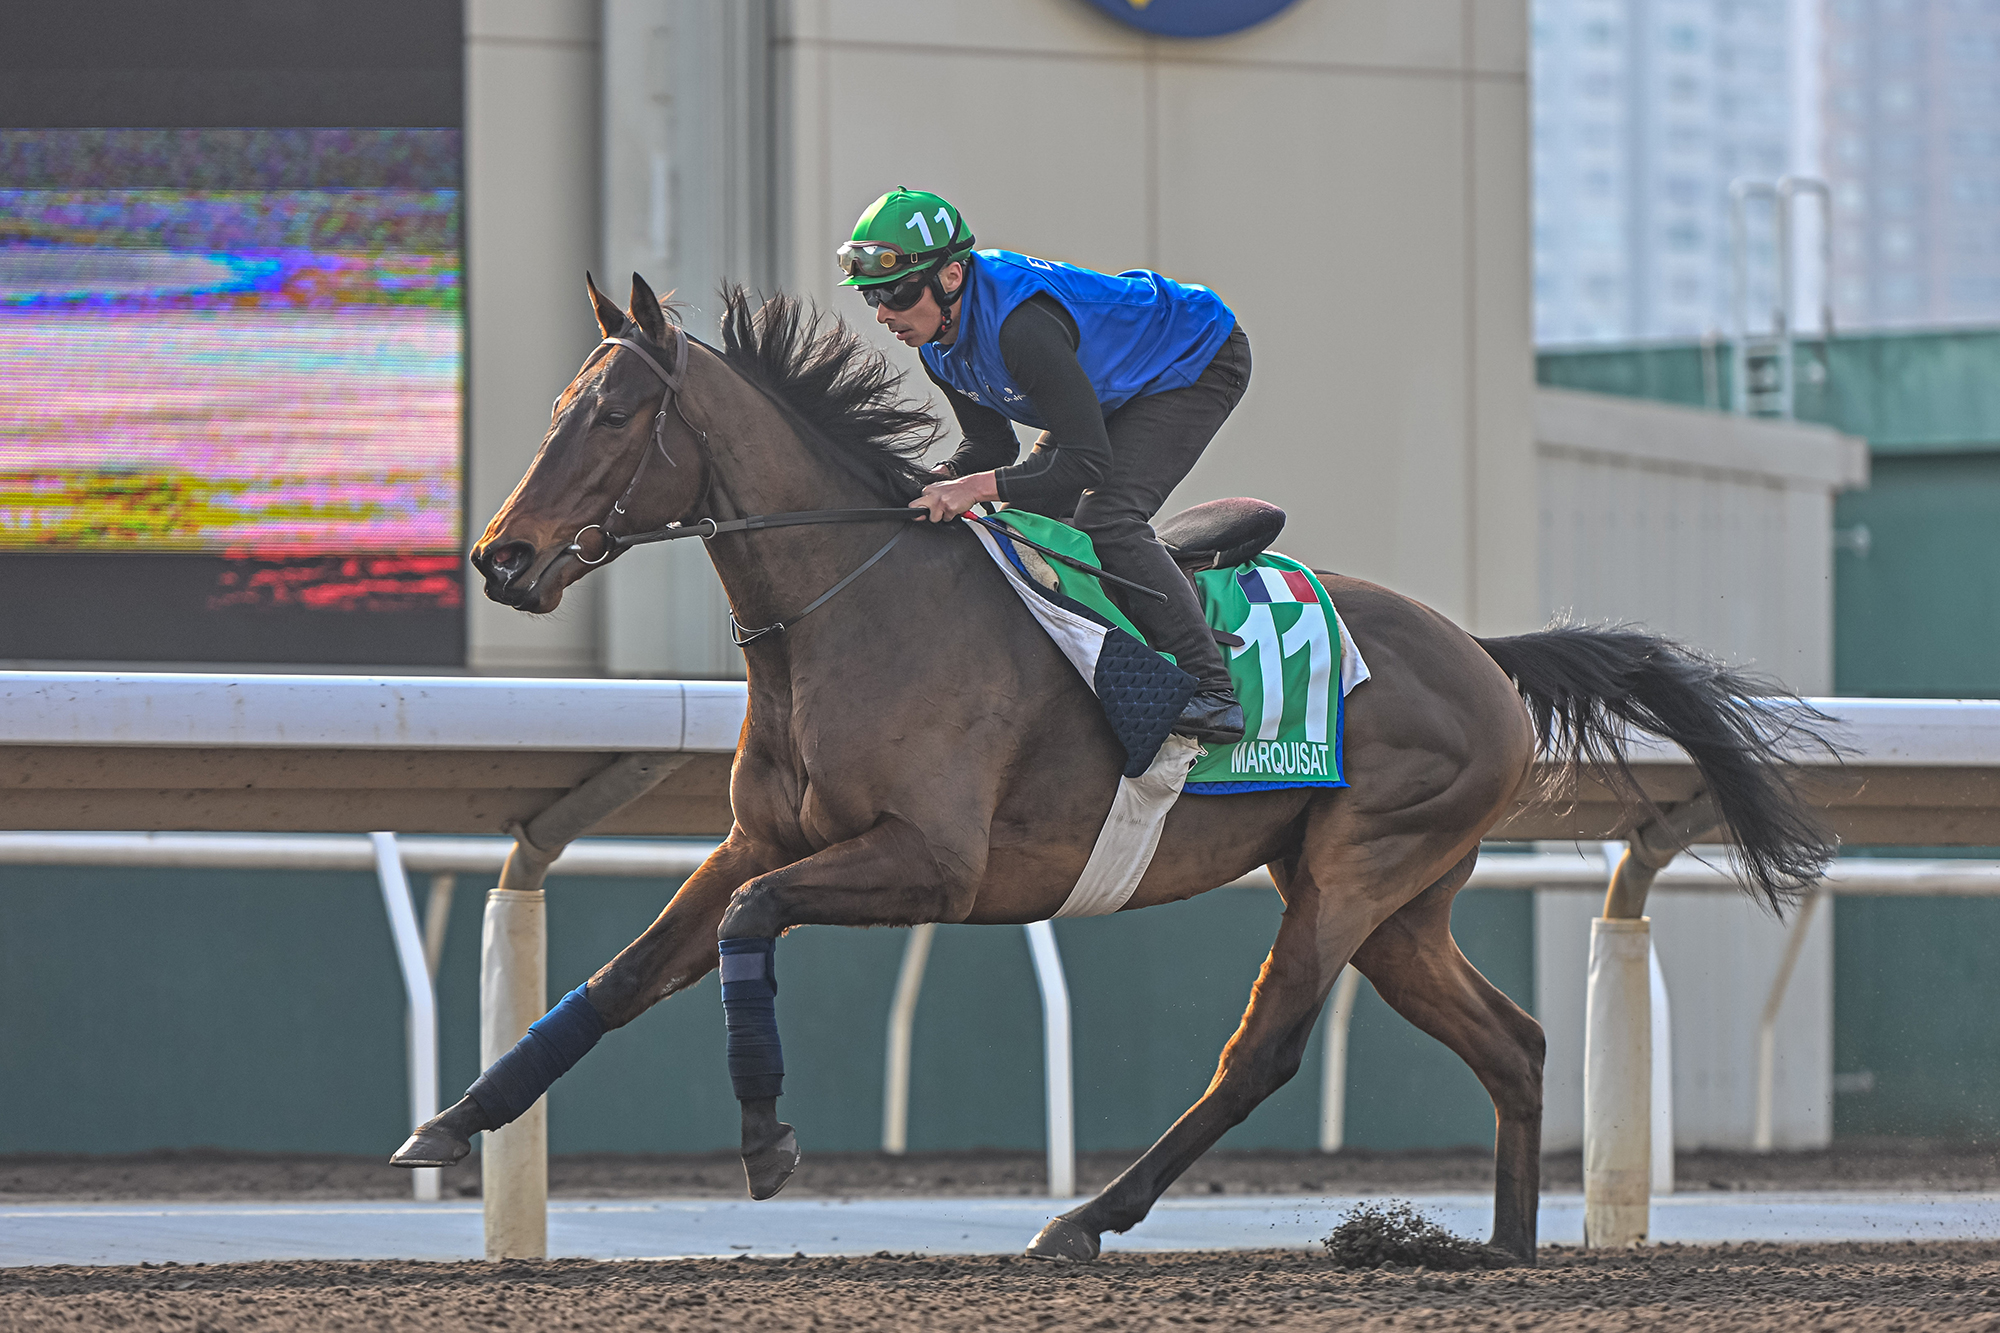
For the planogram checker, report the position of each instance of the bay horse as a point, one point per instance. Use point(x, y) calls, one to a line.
point(918, 750)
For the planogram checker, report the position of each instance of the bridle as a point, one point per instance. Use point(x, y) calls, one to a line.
point(705, 528)
point(673, 379)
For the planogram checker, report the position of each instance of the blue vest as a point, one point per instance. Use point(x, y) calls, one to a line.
point(1137, 332)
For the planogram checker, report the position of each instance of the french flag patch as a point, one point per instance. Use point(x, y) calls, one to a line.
point(1264, 584)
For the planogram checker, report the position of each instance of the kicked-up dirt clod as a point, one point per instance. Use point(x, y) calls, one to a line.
point(1841, 1288)
point(1371, 1235)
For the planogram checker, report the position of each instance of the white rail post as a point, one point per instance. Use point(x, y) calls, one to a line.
point(1663, 1074)
point(1333, 1075)
point(1763, 1135)
point(513, 993)
point(1617, 1084)
point(1618, 1031)
point(902, 1020)
point(420, 1021)
point(1056, 1058)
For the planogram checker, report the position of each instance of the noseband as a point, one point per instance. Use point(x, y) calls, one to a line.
point(673, 379)
point(705, 528)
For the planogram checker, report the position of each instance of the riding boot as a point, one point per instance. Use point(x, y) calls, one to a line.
point(1177, 626)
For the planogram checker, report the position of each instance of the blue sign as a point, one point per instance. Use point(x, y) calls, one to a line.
point(1191, 18)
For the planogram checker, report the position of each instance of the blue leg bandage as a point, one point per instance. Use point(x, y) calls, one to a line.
point(550, 1049)
point(750, 1009)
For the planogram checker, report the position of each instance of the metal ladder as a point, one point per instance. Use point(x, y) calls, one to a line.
point(1764, 363)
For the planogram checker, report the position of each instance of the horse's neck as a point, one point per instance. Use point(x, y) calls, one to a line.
point(761, 463)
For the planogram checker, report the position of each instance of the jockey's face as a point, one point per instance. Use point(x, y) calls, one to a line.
point(919, 324)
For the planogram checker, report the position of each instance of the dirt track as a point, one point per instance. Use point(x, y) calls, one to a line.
point(1877, 1288)
point(1871, 1288)
point(206, 1174)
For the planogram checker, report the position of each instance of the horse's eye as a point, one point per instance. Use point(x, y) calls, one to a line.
point(614, 419)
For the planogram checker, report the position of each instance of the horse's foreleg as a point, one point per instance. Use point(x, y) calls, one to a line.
point(1312, 945)
point(676, 951)
point(1416, 967)
point(887, 876)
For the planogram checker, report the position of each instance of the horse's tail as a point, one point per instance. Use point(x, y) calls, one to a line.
point(1585, 685)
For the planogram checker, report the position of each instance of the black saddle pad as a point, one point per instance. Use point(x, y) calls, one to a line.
point(1222, 532)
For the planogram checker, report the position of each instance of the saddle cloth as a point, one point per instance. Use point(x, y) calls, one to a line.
point(1293, 662)
point(1298, 705)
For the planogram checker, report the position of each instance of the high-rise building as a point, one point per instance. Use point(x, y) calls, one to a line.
point(1644, 112)
point(1911, 107)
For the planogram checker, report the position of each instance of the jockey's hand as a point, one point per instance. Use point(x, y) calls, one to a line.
point(946, 500)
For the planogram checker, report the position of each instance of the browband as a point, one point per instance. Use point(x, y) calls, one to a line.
point(671, 379)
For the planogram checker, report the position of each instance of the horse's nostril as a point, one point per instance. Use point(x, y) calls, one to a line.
point(503, 564)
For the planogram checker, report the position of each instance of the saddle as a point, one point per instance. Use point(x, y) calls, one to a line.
point(1221, 532)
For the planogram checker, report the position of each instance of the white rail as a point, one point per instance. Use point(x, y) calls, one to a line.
point(170, 709)
point(1056, 1062)
point(343, 851)
point(1333, 1070)
point(902, 1022)
point(420, 985)
point(663, 858)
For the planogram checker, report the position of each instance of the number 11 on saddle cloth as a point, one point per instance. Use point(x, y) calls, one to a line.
point(1293, 668)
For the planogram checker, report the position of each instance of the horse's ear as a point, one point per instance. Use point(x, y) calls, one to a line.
point(609, 317)
point(646, 310)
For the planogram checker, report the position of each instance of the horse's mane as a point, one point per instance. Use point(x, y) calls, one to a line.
point(841, 388)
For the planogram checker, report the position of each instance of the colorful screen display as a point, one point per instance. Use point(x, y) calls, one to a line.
point(234, 359)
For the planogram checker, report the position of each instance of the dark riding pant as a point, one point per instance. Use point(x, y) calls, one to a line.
point(1155, 441)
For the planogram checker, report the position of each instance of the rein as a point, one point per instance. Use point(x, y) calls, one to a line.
point(705, 528)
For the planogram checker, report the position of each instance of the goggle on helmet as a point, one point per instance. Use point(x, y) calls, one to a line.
point(904, 232)
point(879, 259)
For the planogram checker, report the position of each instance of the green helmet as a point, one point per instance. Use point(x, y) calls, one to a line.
point(903, 232)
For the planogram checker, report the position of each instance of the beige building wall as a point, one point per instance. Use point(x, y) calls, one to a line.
point(531, 205)
point(1351, 177)
point(1716, 530)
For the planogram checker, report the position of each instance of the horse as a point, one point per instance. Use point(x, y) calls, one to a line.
point(917, 750)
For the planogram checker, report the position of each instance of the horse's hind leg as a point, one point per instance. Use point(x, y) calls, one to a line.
point(1318, 932)
point(676, 951)
point(1416, 966)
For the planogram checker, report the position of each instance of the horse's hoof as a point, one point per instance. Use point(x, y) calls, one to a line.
point(431, 1145)
point(1063, 1240)
point(768, 1169)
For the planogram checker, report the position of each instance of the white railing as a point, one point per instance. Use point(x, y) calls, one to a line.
point(419, 947)
point(461, 755)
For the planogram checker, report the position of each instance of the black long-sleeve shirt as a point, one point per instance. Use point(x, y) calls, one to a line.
point(1038, 342)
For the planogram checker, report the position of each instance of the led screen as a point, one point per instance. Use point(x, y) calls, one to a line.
point(230, 385)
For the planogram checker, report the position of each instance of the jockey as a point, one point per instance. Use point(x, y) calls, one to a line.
point(1128, 377)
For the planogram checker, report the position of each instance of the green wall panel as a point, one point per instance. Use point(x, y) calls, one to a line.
point(1919, 614)
point(1927, 391)
point(170, 1010)
point(1913, 1008)
point(239, 1009)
